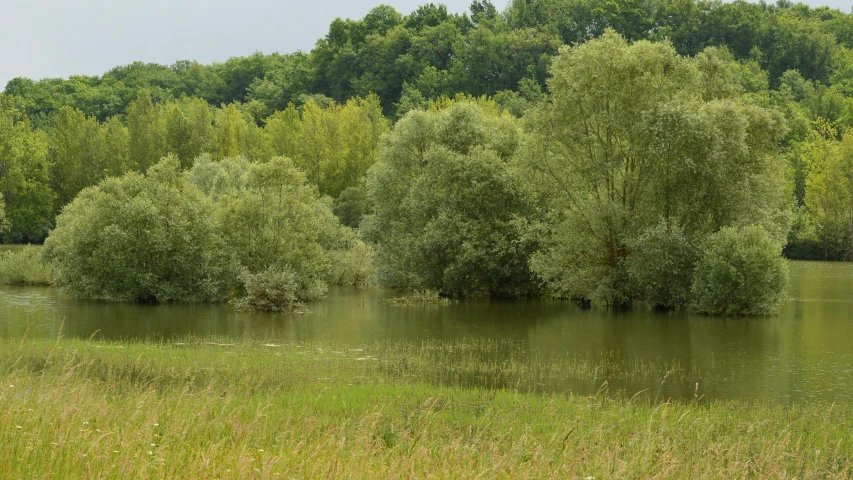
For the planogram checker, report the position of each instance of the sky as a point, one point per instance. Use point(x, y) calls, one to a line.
point(58, 38)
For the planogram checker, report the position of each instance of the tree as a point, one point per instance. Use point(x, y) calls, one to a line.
point(283, 130)
point(828, 198)
point(116, 147)
point(447, 209)
point(75, 154)
point(231, 132)
point(141, 238)
point(633, 136)
point(24, 183)
point(146, 132)
point(4, 224)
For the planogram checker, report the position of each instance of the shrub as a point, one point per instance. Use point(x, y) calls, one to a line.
point(272, 290)
point(350, 206)
point(275, 219)
point(280, 231)
point(352, 265)
point(141, 238)
point(740, 272)
point(660, 266)
point(24, 266)
point(420, 297)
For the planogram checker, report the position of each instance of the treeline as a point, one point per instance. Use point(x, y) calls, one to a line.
point(790, 57)
point(645, 177)
point(405, 59)
point(42, 171)
point(471, 155)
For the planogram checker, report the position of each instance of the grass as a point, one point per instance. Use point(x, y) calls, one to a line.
point(215, 409)
point(23, 266)
point(420, 297)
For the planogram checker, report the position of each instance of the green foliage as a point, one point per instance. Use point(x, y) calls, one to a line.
point(24, 266)
point(660, 266)
point(188, 130)
point(351, 262)
point(75, 154)
point(740, 272)
point(431, 52)
point(421, 297)
point(627, 135)
point(218, 179)
point(271, 290)
point(634, 134)
point(446, 206)
point(275, 220)
point(151, 237)
point(4, 223)
point(146, 131)
point(24, 183)
point(278, 228)
point(350, 206)
point(827, 166)
point(334, 146)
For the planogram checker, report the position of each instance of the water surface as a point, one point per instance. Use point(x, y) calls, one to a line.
point(802, 354)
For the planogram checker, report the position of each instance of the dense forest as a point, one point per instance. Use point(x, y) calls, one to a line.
point(662, 151)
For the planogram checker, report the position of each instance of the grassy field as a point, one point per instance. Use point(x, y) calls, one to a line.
point(211, 409)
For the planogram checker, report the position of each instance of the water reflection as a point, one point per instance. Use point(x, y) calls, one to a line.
point(801, 354)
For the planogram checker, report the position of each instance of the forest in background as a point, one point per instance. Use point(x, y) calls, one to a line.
point(328, 112)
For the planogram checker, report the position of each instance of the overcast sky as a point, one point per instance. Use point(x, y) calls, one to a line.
point(58, 38)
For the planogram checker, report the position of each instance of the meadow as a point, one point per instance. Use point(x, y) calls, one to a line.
point(213, 408)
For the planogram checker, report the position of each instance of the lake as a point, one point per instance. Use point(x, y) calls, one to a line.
point(802, 354)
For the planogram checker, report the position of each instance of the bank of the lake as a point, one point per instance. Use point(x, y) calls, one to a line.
point(218, 409)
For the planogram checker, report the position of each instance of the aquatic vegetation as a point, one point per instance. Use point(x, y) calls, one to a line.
point(421, 297)
point(24, 266)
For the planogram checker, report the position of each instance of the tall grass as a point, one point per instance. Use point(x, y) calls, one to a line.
point(23, 266)
point(420, 297)
point(212, 409)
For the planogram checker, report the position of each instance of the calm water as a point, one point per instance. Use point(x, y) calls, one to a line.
point(802, 354)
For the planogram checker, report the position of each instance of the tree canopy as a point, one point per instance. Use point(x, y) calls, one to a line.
point(447, 211)
point(634, 135)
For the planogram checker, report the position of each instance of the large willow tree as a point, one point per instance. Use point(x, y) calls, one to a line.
point(637, 147)
point(447, 209)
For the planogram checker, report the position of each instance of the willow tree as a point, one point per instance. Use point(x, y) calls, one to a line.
point(285, 238)
point(141, 238)
point(634, 137)
point(447, 209)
